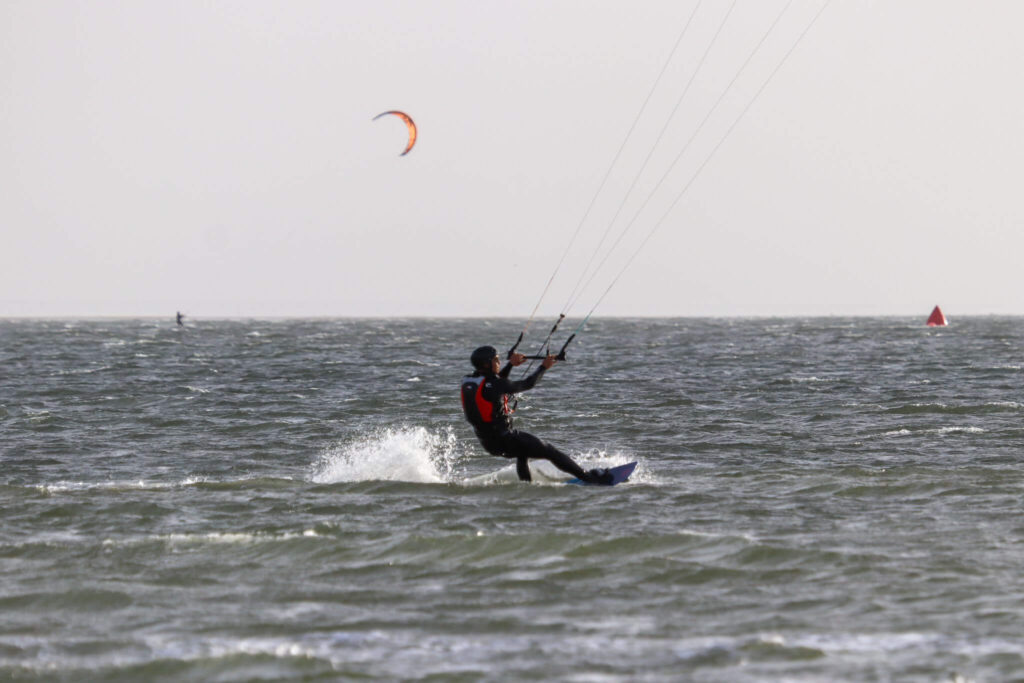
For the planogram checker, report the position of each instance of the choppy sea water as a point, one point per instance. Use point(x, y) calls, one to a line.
point(817, 499)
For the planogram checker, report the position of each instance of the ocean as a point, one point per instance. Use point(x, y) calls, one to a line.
point(821, 499)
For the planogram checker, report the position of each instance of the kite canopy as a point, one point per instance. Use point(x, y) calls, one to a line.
point(409, 124)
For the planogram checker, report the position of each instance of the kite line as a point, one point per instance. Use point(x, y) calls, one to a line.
point(588, 275)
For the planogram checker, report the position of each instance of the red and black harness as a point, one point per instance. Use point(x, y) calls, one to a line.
point(479, 411)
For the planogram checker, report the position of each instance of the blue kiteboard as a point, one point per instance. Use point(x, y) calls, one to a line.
point(620, 473)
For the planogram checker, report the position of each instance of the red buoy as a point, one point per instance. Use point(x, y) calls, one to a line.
point(937, 319)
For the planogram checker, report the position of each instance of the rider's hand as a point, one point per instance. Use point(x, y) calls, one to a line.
point(549, 361)
point(517, 359)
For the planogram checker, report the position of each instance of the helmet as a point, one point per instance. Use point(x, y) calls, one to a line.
point(482, 357)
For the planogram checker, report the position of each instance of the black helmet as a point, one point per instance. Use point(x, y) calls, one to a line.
point(482, 357)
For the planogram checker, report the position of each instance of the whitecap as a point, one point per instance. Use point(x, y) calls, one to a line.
point(65, 486)
point(82, 371)
point(955, 430)
point(212, 538)
point(860, 643)
point(138, 484)
point(1013, 405)
point(936, 430)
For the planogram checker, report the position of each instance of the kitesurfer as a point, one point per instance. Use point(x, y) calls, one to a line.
point(181, 318)
point(485, 396)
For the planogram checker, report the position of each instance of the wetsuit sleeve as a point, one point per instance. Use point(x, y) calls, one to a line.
point(505, 371)
point(506, 386)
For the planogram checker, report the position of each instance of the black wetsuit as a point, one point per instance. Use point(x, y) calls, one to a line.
point(485, 402)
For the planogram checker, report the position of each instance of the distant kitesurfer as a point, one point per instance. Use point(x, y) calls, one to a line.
point(181, 317)
point(485, 396)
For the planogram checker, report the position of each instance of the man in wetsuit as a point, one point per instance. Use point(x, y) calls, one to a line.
point(485, 396)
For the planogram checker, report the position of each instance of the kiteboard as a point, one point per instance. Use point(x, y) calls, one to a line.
point(620, 473)
point(545, 473)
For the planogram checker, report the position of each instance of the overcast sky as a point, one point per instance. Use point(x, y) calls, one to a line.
point(219, 158)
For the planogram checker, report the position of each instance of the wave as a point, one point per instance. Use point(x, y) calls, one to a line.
point(79, 371)
point(158, 656)
point(799, 647)
point(406, 362)
point(87, 599)
point(945, 409)
point(144, 485)
point(364, 650)
point(941, 431)
point(809, 379)
point(213, 538)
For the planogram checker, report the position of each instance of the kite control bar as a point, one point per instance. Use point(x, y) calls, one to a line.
point(559, 356)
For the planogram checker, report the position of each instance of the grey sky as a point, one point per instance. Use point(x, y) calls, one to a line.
point(220, 159)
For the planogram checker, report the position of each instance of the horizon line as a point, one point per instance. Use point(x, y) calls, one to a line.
point(758, 316)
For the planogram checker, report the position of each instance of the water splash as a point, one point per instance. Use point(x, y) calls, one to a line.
point(413, 454)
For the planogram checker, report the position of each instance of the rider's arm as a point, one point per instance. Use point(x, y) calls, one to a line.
point(514, 387)
point(528, 382)
point(514, 360)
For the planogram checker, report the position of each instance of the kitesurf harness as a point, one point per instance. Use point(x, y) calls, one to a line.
point(479, 411)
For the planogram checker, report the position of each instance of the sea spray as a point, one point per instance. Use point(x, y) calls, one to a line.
point(412, 454)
